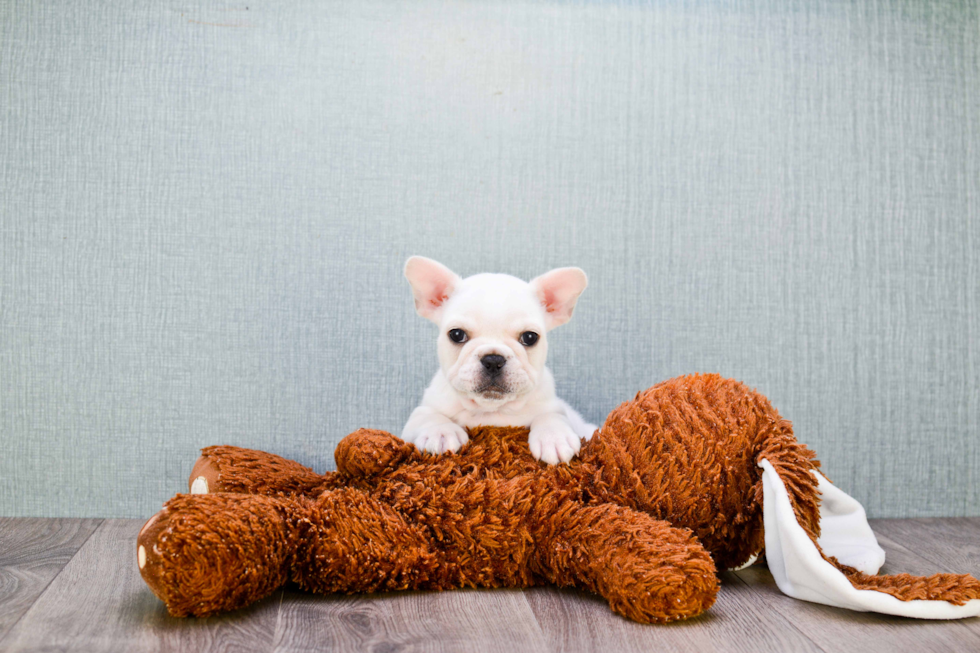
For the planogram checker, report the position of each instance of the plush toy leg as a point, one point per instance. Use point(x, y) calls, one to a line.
point(351, 542)
point(247, 471)
point(648, 570)
point(802, 571)
point(204, 554)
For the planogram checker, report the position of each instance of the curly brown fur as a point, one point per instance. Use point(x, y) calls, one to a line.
point(668, 489)
point(203, 557)
point(424, 531)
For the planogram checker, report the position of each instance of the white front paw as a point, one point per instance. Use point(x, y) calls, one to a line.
point(553, 443)
point(440, 438)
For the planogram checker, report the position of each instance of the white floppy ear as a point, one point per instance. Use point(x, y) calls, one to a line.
point(432, 284)
point(558, 291)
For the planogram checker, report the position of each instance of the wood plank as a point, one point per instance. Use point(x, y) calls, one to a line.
point(32, 552)
point(463, 620)
point(952, 544)
point(575, 621)
point(839, 629)
point(99, 603)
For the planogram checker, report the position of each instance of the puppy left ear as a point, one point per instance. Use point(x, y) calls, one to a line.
point(432, 284)
point(558, 291)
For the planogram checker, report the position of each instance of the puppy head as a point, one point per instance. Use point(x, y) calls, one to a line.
point(493, 327)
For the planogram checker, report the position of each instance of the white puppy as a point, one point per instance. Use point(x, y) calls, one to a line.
point(492, 348)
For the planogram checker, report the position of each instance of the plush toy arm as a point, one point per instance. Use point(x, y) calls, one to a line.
point(366, 453)
point(648, 570)
point(248, 471)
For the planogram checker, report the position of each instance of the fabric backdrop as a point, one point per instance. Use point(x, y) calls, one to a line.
point(205, 209)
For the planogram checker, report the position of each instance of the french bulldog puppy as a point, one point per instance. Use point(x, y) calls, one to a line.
point(492, 346)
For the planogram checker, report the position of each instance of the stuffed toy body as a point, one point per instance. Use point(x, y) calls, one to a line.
point(696, 474)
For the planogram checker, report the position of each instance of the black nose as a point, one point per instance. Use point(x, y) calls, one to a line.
point(493, 363)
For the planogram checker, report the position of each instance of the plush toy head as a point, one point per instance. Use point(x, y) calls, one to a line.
point(668, 491)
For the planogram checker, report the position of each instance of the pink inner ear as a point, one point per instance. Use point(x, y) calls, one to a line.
point(436, 295)
point(432, 285)
point(439, 296)
point(549, 300)
point(558, 290)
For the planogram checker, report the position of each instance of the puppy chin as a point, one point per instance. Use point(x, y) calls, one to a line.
point(488, 395)
point(492, 396)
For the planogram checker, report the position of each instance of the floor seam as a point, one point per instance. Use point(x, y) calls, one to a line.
point(544, 636)
point(275, 632)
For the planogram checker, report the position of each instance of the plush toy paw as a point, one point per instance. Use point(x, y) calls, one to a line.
point(206, 554)
point(553, 443)
point(203, 478)
point(441, 438)
point(367, 452)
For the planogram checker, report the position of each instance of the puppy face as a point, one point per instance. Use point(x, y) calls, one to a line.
point(492, 343)
point(493, 328)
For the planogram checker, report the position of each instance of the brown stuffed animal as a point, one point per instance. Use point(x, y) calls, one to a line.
point(669, 490)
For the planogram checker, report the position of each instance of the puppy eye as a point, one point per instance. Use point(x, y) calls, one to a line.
point(457, 335)
point(528, 338)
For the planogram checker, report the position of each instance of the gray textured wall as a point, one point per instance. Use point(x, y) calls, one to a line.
point(205, 209)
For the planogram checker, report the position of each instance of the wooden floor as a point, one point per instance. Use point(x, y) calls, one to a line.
point(72, 584)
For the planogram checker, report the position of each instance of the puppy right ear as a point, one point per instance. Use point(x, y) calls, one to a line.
point(432, 284)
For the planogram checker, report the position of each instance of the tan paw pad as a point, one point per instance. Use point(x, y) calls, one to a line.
point(199, 486)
